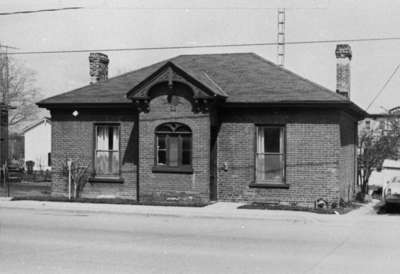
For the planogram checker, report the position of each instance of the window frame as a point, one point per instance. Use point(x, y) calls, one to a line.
point(180, 168)
point(266, 184)
point(106, 178)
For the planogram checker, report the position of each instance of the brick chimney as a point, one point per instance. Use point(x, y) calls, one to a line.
point(343, 57)
point(98, 67)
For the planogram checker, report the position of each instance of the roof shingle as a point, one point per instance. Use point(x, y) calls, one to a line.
point(243, 77)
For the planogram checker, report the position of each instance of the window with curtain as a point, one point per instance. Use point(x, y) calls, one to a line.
point(107, 163)
point(270, 154)
point(173, 145)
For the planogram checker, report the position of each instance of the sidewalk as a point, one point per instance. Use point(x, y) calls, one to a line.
point(220, 210)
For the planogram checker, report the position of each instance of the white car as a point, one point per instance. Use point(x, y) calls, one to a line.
point(391, 191)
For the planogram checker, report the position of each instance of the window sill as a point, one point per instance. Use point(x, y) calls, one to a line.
point(254, 185)
point(168, 169)
point(106, 180)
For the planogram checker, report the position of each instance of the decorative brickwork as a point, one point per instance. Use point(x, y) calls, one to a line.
point(175, 188)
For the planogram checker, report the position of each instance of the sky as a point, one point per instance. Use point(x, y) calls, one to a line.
point(152, 23)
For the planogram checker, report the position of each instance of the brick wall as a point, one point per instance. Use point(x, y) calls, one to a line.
point(319, 153)
point(313, 152)
point(347, 179)
point(73, 138)
point(174, 187)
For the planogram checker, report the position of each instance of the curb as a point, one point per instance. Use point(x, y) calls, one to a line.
point(162, 212)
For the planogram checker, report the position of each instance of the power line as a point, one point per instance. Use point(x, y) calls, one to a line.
point(200, 8)
point(384, 86)
point(41, 10)
point(205, 46)
point(153, 8)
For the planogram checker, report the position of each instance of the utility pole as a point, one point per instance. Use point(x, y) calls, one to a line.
point(4, 107)
point(3, 112)
point(4, 73)
point(281, 38)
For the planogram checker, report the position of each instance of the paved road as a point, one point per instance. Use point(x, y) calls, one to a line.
point(48, 241)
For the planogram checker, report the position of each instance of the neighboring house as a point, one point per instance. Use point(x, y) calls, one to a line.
point(378, 123)
point(374, 123)
point(196, 128)
point(38, 144)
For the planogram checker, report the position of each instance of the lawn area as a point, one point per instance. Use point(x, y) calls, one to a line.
point(25, 189)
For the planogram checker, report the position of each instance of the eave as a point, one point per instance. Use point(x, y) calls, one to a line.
point(50, 106)
point(348, 106)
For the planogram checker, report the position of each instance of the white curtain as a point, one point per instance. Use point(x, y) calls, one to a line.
point(260, 140)
point(115, 154)
point(107, 154)
point(281, 141)
point(260, 157)
point(102, 137)
point(115, 139)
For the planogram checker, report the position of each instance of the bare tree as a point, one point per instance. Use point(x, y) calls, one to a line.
point(375, 146)
point(78, 171)
point(22, 93)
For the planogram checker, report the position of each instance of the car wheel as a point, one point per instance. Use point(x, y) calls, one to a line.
point(388, 206)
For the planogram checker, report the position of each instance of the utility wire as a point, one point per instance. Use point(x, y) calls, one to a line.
point(200, 8)
point(154, 8)
point(384, 86)
point(205, 46)
point(36, 11)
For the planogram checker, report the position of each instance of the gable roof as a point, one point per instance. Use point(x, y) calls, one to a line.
point(202, 80)
point(37, 123)
point(242, 77)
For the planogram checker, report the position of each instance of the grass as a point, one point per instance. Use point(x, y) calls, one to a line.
point(20, 189)
point(268, 206)
point(79, 200)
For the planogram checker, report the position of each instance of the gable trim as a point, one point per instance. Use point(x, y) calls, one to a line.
point(169, 68)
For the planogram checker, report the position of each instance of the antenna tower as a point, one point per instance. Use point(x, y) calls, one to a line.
point(281, 38)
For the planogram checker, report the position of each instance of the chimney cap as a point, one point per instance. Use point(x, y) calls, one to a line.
point(343, 51)
point(101, 57)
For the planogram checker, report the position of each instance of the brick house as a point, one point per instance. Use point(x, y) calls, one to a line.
point(197, 128)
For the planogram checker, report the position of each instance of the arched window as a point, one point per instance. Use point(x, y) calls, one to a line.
point(173, 145)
